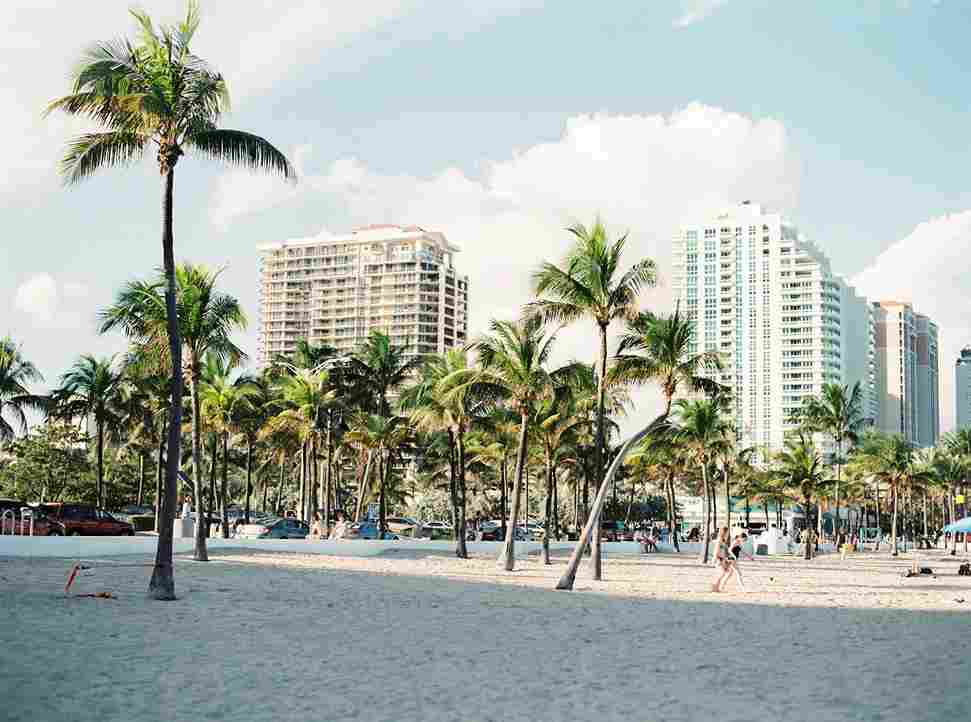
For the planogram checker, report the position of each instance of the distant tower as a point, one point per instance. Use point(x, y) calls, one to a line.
point(962, 389)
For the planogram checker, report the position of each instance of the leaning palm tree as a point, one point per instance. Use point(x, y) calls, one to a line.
point(16, 373)
point(206, 319)
point(92, 388)
point(154, 93)
point(591, 284)
point(837, 412)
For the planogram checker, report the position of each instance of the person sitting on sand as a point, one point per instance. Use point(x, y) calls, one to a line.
point(340, 527)
point(315, 529)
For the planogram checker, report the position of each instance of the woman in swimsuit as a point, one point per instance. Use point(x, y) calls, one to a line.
point(723, 560)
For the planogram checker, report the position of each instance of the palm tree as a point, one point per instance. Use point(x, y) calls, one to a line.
point(591, 285)
point(512, 359)
point(701, 429)
point(91, 388)
point(250, 419)
point(382, 436)
point(891, 459)
point(440, 402)
point(380, 367)
point(801, 469)
point(223, 401)
point(154, 93)
point(838, 412)
point(206, 320)
point(16, 372)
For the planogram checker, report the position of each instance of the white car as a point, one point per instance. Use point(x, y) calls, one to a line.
point(445, 526)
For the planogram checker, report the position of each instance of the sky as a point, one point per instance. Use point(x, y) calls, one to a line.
point(501, 125)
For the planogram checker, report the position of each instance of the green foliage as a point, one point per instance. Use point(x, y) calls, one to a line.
point(49, 463)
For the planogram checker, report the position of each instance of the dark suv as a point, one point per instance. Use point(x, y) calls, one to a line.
point(43, 524)
point(87, 520)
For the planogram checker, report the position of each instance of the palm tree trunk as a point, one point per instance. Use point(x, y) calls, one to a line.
point(673, 529)
point(508, 555)
point(706, 547)
point(765, 508)
point(141, 478)
point(893, 522)
point(162, 584)
point(327, 474)
point(303, 481)
point(461, 549)
point(362, 487)
point(503, 501)
point(249, 477)
point(570, 574)
point(384, 471)
point(200, 552)
point(808, 553)
point(100, 452)
point(595, 549)
point(210, 508)
point(556, 507)
point(224, 488)
point(159, 475)
point(548, 523)
point(277, 508)
point(728, 500)
point(314, 501)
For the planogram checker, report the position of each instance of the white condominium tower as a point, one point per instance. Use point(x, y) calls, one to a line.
point(907, 373)
point(962, 390)
point(766, 299)
point(336, 290)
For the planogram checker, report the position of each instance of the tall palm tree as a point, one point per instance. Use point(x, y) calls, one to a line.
point(591, 284)
point(92, 388)
point(382, 436)
point(380, 367)
point(434, 404)
point(206, 319)
point(512, 360)
point(223, 402)
point(154, 93)
point(249, 420)
point(16, 373)
point(701, 429)
point(837, 412)
point(801, 469)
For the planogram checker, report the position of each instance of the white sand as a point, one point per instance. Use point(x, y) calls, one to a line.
point(410, 636)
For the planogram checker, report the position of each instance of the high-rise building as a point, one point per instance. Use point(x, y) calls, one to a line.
point(766, 299)
point(907, 372)
point(962, 390)
point(336, 290)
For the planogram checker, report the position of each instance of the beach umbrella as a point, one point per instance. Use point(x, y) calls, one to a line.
point(961, 525)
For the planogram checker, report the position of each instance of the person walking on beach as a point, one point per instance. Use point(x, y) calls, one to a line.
point(723, 560)
point(737, 552)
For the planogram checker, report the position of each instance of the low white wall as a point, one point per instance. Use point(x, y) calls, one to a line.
point(92, 547)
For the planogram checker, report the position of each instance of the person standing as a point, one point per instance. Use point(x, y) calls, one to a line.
point(186, 507)
point(722, 560)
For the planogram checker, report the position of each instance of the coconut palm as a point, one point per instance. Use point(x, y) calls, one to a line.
point(249, 420)
point(800, 467)
point(512, 360)
point(701, 428)
point(154, 93)
point(92, 388)
point(382, 437)
point(207, 319)
point(591, 284)
point(377, 368)
point(16, 373)
point(837, 412)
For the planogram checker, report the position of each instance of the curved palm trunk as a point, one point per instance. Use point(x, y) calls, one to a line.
point(569, 576)
point(507, 556)
point(503, 501)
point(200, 553)
point(224, 488)
point(159, 474)
point(162, 584)
point(362, 487)
point(595, 549)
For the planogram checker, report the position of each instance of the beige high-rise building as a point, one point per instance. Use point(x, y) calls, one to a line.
point(907, 372)
point(397, 279)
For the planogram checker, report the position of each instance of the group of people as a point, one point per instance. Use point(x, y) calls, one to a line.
point(339, 530)
point(727, 557)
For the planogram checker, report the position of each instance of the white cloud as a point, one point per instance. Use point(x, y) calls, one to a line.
point(49, 303)
point(643, 173)
point(929, 268)
point(694, 11)
point(254, 44)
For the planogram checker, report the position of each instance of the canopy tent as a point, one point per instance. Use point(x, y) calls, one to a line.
point(961, 525)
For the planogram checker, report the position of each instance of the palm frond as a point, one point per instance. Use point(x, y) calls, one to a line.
point(92, 152)
point(243, 149)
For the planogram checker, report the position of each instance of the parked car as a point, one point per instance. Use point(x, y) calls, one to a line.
point(401, 524)
point(43, 524)
point(444, 526)
point(273, 528)
point(367, 530)
point(87, 520)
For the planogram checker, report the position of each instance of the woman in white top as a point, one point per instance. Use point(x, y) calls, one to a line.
point(186, 507)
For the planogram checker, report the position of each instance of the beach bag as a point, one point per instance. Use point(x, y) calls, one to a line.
point(964, 570)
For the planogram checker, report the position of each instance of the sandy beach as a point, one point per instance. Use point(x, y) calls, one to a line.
point(424, 636)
